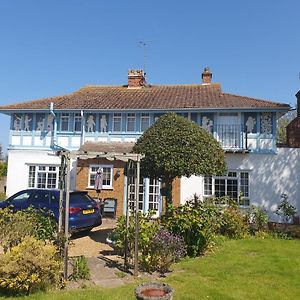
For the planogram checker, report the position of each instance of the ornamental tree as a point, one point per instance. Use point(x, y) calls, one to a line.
point(175, 147)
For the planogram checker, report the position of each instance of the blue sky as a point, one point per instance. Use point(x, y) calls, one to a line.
point(53, 47)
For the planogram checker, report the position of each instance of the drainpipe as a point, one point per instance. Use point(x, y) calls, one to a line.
point(55, 124)
point(82, 128)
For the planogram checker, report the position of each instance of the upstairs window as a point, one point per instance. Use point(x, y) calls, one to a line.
point(145, 122)
point(77, 122)
point(64, 122)
point(117, 122)
point(130, 122)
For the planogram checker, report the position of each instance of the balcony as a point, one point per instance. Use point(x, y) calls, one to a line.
point(230, 136)
point(235, 138)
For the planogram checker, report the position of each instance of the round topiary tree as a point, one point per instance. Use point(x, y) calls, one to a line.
point(175, 147)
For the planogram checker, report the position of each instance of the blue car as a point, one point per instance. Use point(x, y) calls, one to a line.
point(84, 212)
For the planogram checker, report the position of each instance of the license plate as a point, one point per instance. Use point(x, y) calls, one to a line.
point(88, 211)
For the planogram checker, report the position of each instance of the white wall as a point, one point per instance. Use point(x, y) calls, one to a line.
point(270, 176)
point(18, 161)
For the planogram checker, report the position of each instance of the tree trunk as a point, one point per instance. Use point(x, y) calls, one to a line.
point(168, 187)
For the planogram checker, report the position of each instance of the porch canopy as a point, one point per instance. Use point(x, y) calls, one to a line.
point(109, 150)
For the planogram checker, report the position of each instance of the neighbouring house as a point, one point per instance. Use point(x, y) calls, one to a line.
point(105, 119)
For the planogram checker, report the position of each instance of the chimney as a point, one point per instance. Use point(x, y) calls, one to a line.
point(206, 76)
point(298, 103)
point(136, 79)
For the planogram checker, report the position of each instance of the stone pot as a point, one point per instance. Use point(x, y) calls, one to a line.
point(154, 291)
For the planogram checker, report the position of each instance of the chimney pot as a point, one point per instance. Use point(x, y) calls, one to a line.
point(136, 79)
point(206, 76)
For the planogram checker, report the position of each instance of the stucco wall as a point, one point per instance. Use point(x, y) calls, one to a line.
point(270, 176)
point(17, 172)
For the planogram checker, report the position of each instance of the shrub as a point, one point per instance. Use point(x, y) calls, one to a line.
point(147, 229)
point(30, 266)
point(233, 223)
point(196, 222)
point(285, 209)
point(15, 226)
point(81, 269)
point(258, 217)
point(167, 248)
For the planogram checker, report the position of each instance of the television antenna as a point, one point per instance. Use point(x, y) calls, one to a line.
point(144, 45)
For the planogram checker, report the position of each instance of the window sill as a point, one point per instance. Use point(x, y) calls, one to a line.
point(104, 188)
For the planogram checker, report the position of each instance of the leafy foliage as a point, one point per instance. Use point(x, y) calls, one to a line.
point(285, 209)
point(175, 147)
point(3, 168)
point(258, 217)
point(15, 226)
point(80, 269)
point(30, 266)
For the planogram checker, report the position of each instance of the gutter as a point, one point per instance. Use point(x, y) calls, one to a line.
point(55, 125)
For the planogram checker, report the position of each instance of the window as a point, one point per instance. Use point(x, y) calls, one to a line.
point(43, 176)
point(130, 122)
point(117, 122)
point(64, 122)
point(145, 122)
point(106, 176)
point(77, 123)
point(154, 194)
point(235, 185)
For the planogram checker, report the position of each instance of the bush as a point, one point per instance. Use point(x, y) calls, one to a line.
point(258, 218)
point(80, 269)
point(196, 222)
point(285, 209)
point(30, 266)
point(15, 226)
point(233, 223)
point(167, 248)
point(147, 229)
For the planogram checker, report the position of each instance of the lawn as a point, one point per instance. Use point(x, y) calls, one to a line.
point(239, 269)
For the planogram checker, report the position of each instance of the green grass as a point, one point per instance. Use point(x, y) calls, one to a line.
point(240, 269)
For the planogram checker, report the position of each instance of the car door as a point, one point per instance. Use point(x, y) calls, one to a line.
point(21, 200)
point(41, 199)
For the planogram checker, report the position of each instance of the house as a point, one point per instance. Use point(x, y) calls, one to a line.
point(103, 119)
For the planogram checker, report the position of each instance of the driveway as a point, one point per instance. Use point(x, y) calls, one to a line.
point(94, 243)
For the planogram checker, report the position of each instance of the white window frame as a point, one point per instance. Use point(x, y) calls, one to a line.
point(117, 117)
point(33, 176)
point(130, 120)
point(145, 117)
point(93, 172)
point(63, 118)
point(240, 186)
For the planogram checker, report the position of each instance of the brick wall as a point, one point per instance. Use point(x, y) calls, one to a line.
point(293, 133)
point(116, 192)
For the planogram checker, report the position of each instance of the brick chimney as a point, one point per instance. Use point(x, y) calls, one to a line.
point(136, 79)
point(206, 76)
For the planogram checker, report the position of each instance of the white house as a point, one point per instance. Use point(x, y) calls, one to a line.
point(100, 116)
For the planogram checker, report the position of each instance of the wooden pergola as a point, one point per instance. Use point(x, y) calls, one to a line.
point(110, 151)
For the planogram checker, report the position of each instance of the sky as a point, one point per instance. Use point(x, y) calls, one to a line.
point(54, 47)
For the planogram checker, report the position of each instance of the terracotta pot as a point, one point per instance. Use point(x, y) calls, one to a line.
point(154, 291)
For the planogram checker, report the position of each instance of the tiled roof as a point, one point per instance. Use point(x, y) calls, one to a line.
point(165, 97)
point(107, 147)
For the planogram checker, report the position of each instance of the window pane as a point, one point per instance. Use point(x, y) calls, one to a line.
point(219, 187)
point(41, 180)
point(207, 186)
point(77, 122)
point(145, 122)
point(232, 188)
point(130, 122)
point(117, 121)
point(64, 122)
point(51, 181)
point(31, 176)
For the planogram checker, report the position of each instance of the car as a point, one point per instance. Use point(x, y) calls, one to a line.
point(84, 212)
